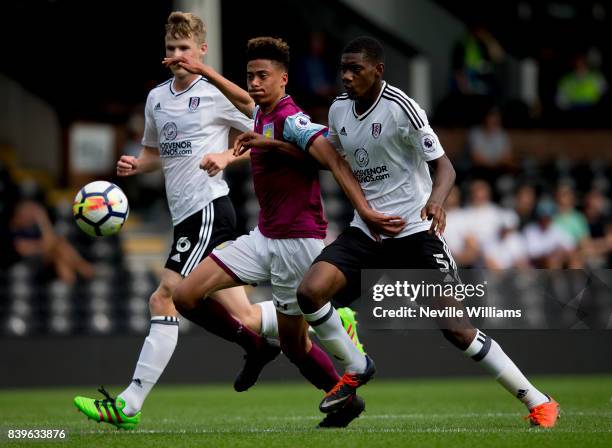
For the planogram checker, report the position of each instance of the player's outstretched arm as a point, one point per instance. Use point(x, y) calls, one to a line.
point(326, 155)
point(147, 161)
point(443, 181)
point(238, 96)
point(214, 163)
point(248, 140)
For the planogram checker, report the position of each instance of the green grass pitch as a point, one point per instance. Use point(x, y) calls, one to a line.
point(442, 412)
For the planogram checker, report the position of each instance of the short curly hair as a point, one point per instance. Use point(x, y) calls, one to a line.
point(271, 48)
point(370, 47)
point(184, 25)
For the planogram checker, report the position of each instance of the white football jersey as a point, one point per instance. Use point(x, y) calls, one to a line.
point(185, 126)
point(388, 147)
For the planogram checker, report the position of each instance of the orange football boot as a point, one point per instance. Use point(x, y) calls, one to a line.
point(544, 415)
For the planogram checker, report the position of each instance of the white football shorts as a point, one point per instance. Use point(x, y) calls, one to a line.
point(254, 258)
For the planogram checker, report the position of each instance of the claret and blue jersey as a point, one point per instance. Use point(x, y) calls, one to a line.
point(288, 189)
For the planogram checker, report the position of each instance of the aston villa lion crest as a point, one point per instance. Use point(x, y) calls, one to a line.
point(194, 102)
point(376, 129)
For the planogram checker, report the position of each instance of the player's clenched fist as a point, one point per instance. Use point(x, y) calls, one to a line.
point(213, 164)
point(127, 166)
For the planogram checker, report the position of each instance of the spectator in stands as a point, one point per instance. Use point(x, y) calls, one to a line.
point(547, 246)
point(582, 89)
point(484, 216)
point(475, 57)
point(475, 82)
point(600, 228)
point(510, 250)
point(568, 219)
point(30, 234)
point(573, 223)
point(458, 235)
point(525, 200)
point(489, 147)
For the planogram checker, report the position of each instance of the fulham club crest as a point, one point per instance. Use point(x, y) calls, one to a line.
point(194, 102)
point(376, 129)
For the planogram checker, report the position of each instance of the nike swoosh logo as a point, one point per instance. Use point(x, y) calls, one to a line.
point(333, 402)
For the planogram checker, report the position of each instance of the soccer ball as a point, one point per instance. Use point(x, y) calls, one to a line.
point(100, 208)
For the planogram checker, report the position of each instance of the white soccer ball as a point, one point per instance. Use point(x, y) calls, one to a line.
point(100, 208)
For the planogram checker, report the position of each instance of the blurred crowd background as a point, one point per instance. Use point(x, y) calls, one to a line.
point(518, 92)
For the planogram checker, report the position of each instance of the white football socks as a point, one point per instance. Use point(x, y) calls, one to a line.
point(156, 351)
point(269, 322)
point(487, 352)
point(327, 325)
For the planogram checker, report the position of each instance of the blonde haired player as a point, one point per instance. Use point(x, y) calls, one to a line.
point(188, 122)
